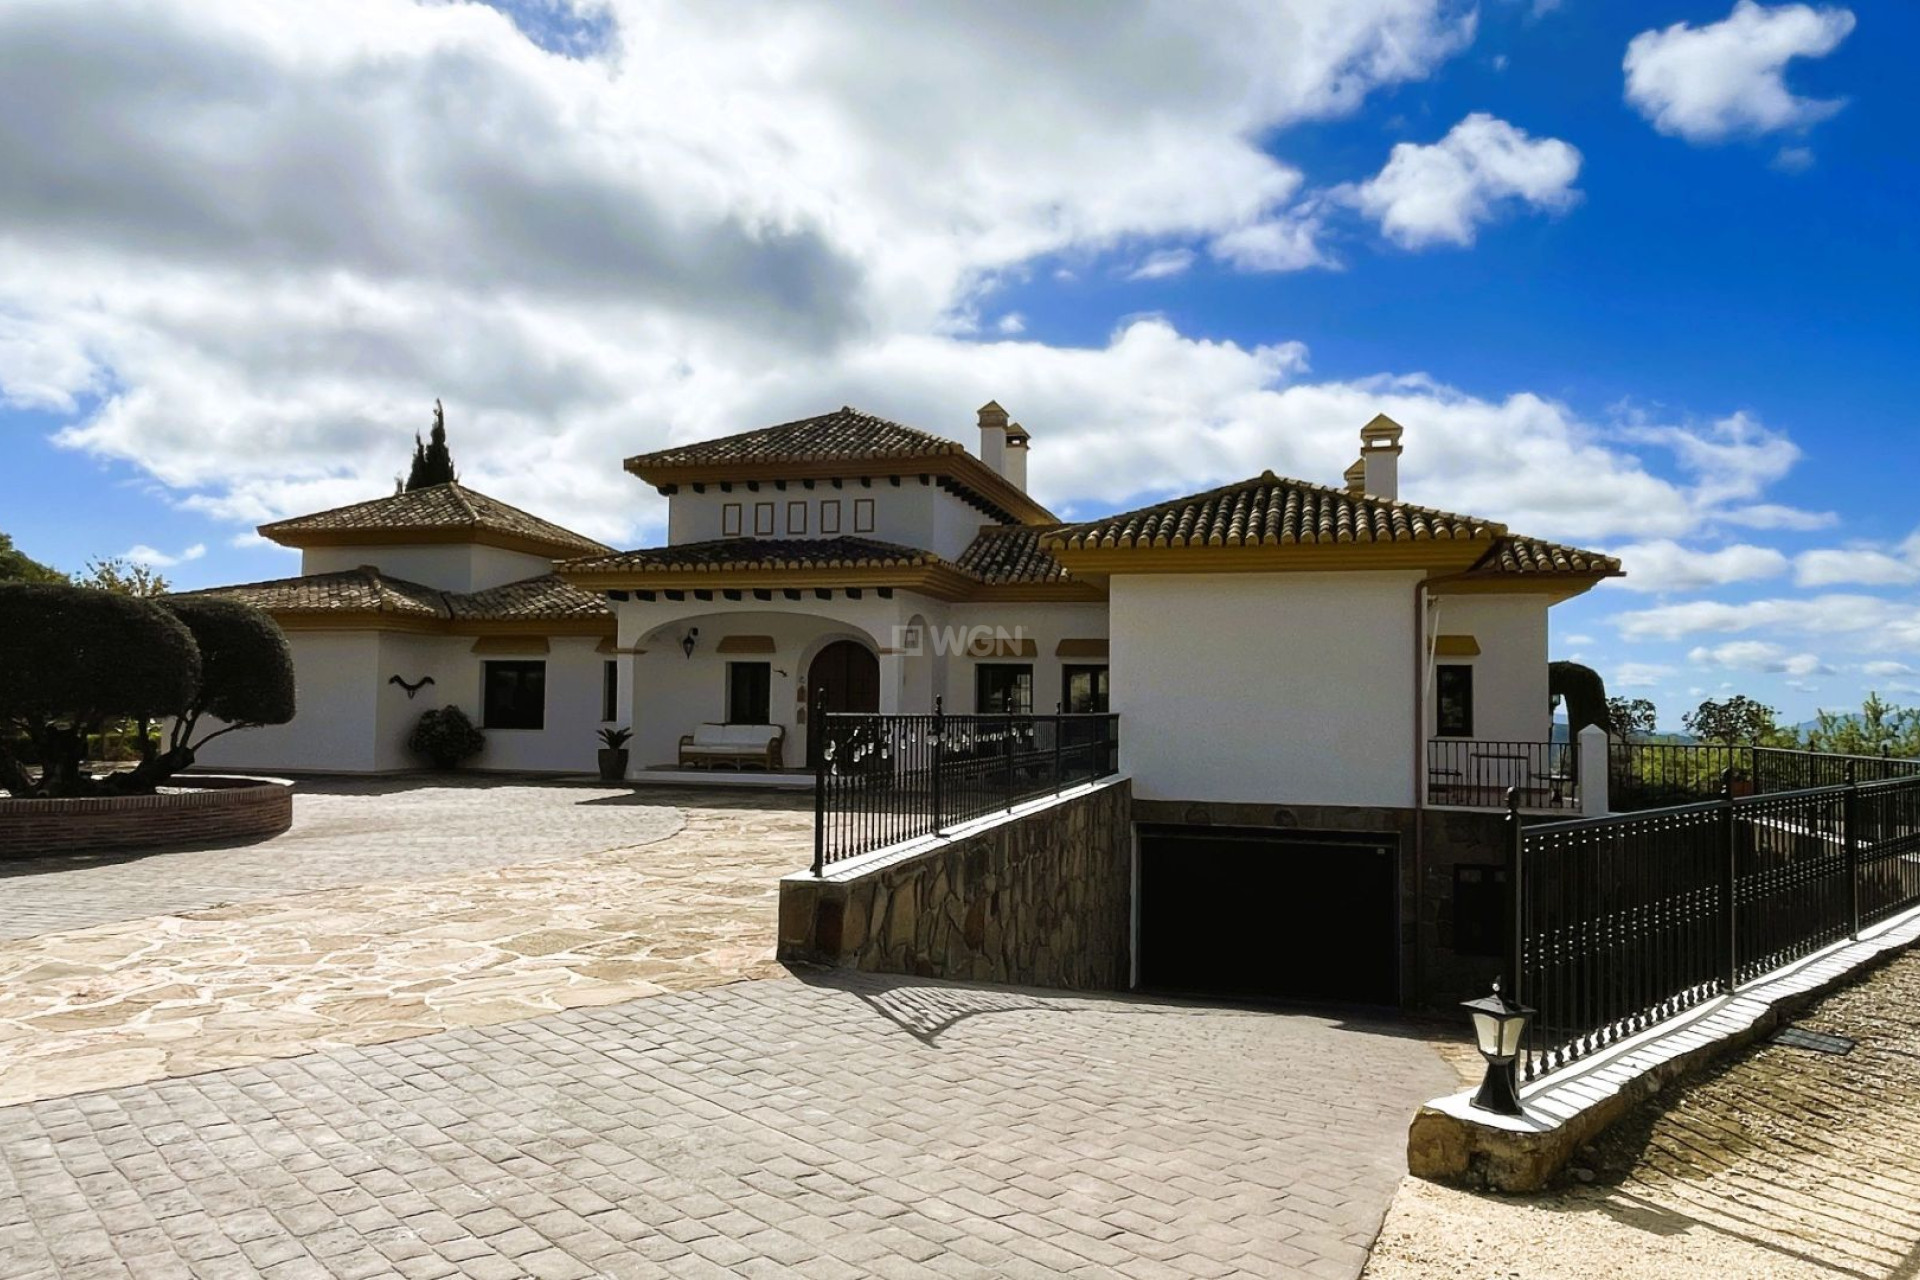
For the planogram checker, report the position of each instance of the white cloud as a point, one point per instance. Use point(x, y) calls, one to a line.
point(1861, 566)
point(1872, 621)
point(1726, 79)
point(1883, 669)
point(1011, 323)
point(1640, 675)
point(1664, 565)
point(271, 259)
point(1768, 515)
point(141, 553)
point(1285, 242)
point(1162, 263)
point(1444, 192)
point(1759, 655)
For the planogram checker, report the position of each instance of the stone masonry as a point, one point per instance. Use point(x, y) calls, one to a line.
point(1043, 900)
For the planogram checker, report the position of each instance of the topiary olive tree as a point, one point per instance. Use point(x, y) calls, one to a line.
point(246, 681)
point(72, 661)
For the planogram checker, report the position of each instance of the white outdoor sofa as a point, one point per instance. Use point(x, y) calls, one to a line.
point(739, 745)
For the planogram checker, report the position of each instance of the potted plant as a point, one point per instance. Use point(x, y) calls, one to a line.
point(445, 736)
point(613, 754)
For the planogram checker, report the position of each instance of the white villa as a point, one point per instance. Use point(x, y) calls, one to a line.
point(1268, 641)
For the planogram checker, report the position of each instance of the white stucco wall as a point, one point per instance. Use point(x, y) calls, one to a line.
point(451, 567)
point(1510, 672)
point(334, 725)
point(1266, 688)
point(910, 513)
point(568, 742)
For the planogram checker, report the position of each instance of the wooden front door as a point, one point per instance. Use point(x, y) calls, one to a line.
point(847, 675)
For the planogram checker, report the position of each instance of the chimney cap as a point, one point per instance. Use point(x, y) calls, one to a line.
point(1382, 433)
point(992, 415)
point(1356, 477)
point(1018, 436)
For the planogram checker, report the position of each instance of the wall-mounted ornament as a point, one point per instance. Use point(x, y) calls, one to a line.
point(412, 688)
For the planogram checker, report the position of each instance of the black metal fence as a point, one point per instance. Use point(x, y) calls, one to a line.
point(883, 779)
point(1479, 773)
point(1656, 775)
point(1618, 923)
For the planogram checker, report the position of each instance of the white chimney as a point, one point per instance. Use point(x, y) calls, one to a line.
point(1015, 465)
point(1380, 457)
point(993, 437)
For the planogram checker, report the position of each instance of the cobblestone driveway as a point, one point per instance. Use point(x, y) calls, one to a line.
point(345, 832)
point(861, 1127)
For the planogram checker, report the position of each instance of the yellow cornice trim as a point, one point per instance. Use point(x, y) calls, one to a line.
point(356, 620)
point(937, 580)
point(1555, 586)
point(600, 625)
point(1440, 555)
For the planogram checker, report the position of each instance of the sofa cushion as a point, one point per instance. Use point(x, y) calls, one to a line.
point(734, 737)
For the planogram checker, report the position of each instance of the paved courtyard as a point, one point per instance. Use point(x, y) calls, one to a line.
point(425, 907)
point(853, 1127)
point(345, 832)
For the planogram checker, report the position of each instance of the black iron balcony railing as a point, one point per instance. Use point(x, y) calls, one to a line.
point(1478, 773)
point(880, 780)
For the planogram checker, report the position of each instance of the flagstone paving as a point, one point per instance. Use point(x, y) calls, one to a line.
point(845, 1127)
point(590, 896)
point(346, 831)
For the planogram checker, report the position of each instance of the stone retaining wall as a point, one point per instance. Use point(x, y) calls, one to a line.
point(217, 810)
point(1041, 900)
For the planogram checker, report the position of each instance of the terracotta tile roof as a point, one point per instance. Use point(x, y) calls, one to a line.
point(1012, 554)
point(367, 590)
point(440, 508)
point(845, 434)
point(1274, 511)
point(543, 597)
point(362, 590)
point(761, 554)
point(1530, 555)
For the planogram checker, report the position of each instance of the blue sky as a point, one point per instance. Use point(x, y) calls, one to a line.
point(1659, 303)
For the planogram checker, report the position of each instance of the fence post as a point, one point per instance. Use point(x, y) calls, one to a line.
point(817, 748)
point(1516, 899)
point(1729, 878)
point(939, 757)
point(1006, 760)
point(1850, 842)
point(1059, 732)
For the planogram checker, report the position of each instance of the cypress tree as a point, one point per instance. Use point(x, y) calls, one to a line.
point(432, 461)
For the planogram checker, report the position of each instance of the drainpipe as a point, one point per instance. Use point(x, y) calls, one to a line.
point(1420, 590)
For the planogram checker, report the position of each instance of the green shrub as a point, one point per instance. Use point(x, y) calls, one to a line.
point(75, 662)
point(246, 665)
point(246, 680)
point(445, 737)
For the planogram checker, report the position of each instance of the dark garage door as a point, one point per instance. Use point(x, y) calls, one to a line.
point(1268, 913)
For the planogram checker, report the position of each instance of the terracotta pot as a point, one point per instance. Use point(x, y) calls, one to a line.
point(613, 764)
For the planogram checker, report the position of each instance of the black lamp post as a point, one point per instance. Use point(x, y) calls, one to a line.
point(1498, 1025)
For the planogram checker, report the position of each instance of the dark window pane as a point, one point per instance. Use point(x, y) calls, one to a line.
point(1003, 687)
point(749, 688)
point(1084, 690)
point(610, 691)
point(1453, 701)
point(515, 695)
